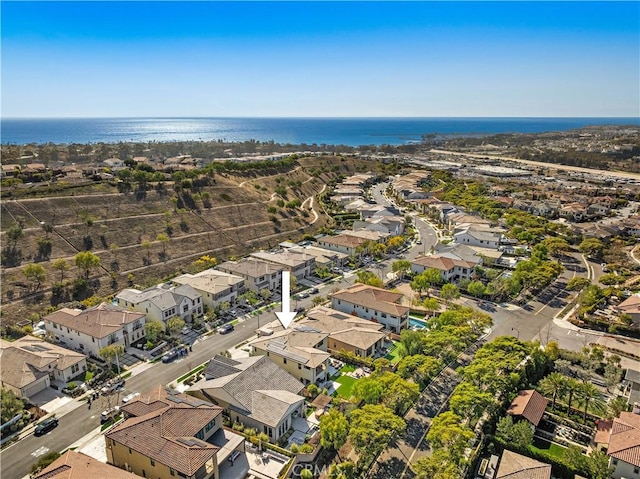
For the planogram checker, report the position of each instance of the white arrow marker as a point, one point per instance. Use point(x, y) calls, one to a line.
point(286, 316)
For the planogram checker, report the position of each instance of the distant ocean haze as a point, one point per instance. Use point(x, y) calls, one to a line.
point(330, 131)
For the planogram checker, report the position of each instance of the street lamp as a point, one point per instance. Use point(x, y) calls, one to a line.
point(517, 331)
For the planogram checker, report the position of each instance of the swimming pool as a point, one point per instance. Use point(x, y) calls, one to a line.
point(415, 323)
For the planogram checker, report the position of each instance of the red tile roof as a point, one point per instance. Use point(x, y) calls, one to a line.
point(516, 466)
point(167, 435)
point(624, 442)
point(529, 404)
point(75, 465)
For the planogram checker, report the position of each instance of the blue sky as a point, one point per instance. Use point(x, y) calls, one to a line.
point(217, 59)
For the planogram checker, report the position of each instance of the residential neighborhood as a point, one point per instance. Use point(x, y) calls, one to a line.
point(468, 324)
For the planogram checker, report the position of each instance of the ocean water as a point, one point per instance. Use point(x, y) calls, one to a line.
point(330, 131)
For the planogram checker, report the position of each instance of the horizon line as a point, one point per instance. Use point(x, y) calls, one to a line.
point(302, 117)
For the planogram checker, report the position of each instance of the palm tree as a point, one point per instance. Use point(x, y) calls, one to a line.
point(555, 384)
point(573, 386)
point(587, 393)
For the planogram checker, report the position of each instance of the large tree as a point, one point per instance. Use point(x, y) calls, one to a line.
point(470, 401)
point(371, 429)
point(448, 433)
point(517, 434)
point(86, 261)
point(36, 274)
point(153, 329)
point(554, 385)
point(449, 292)
point(588, 393)
point(111, 353)
point(401, 267)
point(175, 324)
point(334, 429)
point(439, 465)
point(592, 247)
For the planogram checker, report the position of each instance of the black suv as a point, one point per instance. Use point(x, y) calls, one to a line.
point(46, 426)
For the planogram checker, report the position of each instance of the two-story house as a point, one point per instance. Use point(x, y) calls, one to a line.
point(474, 235)
point(450, 268)
point(94, 328)
point(374, 304)
point(301, 352)
point(300, 265)
point(346, 332)
point(215, 287)
point(342, 243)
point(167, 435)
point(29, 364)
point(162, 302)
point(253, 391)
point(622, 442)
point(257, 274)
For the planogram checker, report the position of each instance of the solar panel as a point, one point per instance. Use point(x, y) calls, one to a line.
point(280, 349)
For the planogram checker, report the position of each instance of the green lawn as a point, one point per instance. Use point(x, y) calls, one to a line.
point(347, 382)
point(547, 447)
point(393, 355)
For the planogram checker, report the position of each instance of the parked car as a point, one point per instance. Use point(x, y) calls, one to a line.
point(46, 426)
point(112, 386)
point(109, 414)
point(314, 290)
point(130, 397)
point(225, 328)
point(170, 356)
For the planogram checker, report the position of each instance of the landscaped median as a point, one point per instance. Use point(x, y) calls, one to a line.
point(193, 372)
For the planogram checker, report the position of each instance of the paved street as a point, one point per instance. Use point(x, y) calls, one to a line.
point(16, 460)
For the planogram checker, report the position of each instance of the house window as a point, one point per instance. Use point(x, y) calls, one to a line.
point(284, 360)
point(614, 462)
point(153, 463)
point(144, 474)
point(172, 471)
point(299, 366)
point(129, 450)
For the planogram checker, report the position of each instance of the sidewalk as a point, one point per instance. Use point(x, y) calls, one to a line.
point(59, 407)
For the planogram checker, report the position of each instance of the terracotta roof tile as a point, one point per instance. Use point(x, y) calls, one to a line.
point(167, 435)
point(75, 465)
point(516, 466)
point(529, 404)
point(624, 442)
point(98, 322)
